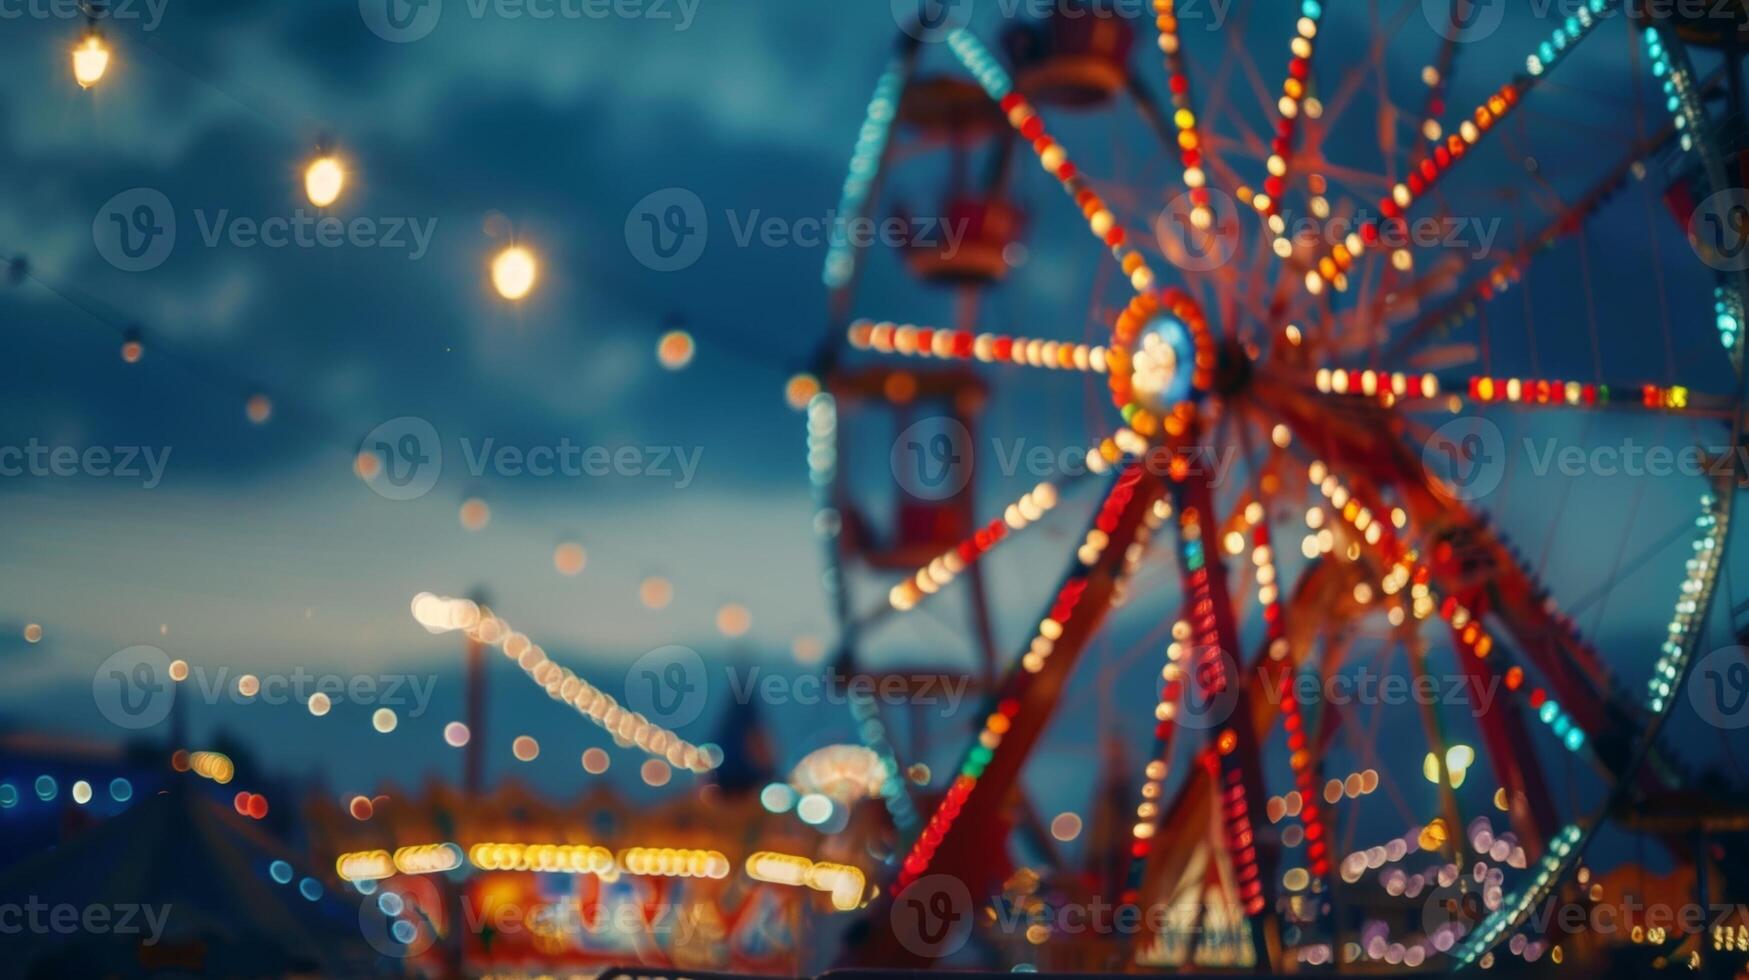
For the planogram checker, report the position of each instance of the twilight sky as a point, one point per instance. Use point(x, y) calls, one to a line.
point(261, 551)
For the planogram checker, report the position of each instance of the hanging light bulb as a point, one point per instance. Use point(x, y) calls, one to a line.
point(90, 59)
point(324, 179)
point(132, 349)
point(513, 272)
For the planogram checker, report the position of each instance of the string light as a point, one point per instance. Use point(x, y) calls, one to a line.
point(886, 337)
point(514, 271)
point(324, 179)
point(425, 859)
point(944, 568)
point(548, 858)
point(439, 615)
point(672, 862)
point(90, 59)
point(364, 865)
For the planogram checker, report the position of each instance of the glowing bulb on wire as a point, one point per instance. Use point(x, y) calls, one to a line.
point(90, 60)
point(513, 272)
point(324, 179)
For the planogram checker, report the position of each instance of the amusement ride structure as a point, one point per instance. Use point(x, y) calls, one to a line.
point(1332, 364)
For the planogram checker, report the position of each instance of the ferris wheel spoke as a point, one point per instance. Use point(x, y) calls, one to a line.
point(1451, 314)
point(1320, 596)
point(1188, 141)
point(1051, 155)
point(1291, 103)
point(1332, 268)
point(944, 568)
point(952, 840)
point(1438, 79)
point(1431, 391)
point(440, 615)
point(910, 340)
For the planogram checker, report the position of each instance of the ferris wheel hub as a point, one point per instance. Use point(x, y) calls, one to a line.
point(1161, 362)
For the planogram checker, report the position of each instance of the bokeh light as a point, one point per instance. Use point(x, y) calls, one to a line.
point(475, 514)
point(655, 592)
point(569, 558)
point(324, 179)
point(525, 748)
point(734, 620)
point(514, 271)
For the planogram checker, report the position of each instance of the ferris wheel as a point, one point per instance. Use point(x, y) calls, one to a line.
point(1276, 292)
